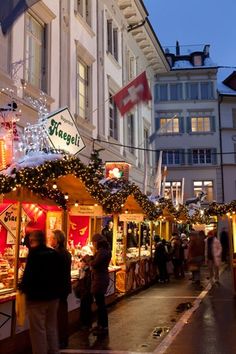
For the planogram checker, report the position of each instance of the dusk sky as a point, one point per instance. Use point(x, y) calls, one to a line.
point(197, 22)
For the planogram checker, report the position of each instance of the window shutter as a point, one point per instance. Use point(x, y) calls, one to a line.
point(234, 117)
point(188, 125)
point(213, 124)
point(182, 156)
point(190, 157)
point(181, 124)
point(214, 156)
point(157, 124)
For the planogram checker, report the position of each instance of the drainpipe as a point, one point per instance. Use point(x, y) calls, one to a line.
point(220, 99)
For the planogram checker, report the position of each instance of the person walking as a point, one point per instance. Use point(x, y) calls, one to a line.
point(224, 240)
point(100, 281)
point(41, 283)
point(58, 242)
point(160, 259)
point(213, 251)
point(195, 257)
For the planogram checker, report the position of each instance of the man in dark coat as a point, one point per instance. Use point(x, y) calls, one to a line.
point(100, 280)
point(41, 282)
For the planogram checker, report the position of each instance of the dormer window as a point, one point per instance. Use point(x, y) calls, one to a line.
point(197, 59)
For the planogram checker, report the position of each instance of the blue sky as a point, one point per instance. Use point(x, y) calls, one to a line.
point(197, 22)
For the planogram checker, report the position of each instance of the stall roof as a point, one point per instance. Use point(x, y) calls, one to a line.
point(25, 195)
point(76, 190)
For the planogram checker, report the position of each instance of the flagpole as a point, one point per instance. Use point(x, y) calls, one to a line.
point(182, 191)
point(164, 181)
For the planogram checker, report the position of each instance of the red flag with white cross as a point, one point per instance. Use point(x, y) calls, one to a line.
point(136, 91)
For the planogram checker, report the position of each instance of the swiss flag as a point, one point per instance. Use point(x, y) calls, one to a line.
point(136, 91)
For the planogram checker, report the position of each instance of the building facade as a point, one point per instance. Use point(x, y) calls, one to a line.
point(79, 53)
point(187, 123)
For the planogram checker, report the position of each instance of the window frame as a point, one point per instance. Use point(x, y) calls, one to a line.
point(113, 118)
point(203, 187)
point(112, 39)
point(131, 133)
point(85, 82)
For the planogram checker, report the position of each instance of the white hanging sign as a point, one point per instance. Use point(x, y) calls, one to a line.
point(131, 217)
point(63, 133)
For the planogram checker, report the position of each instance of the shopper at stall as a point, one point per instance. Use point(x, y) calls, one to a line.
point(224, 240)
point(213, 252)
point(100, 281)
point(58, 242)
point(41, 282)
point(107, 232)
point(160, 259)
point(83, 292)
point(195, 257)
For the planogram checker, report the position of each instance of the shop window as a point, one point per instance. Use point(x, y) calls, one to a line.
point(82, 89)
point(204, 186)
point(113, 118)
point(36, 52)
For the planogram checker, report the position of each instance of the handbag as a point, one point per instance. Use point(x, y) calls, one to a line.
point(20, 308)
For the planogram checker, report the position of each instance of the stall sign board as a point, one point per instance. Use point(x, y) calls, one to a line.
point(131, 217)
point(117, 170)
point(8, 218)
point(88, 210)
point(63, 133)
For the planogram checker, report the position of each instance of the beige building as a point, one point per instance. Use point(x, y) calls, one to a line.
point(79, 53)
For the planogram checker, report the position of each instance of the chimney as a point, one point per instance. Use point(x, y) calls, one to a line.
point(177, 48)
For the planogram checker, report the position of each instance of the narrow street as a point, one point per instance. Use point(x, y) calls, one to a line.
point(148, 322)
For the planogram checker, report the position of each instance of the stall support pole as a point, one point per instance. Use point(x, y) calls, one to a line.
point(66, 223)
point(125, 241)
point(115, 228)
point(17, 242)
point(94, 224)
point(151, 237)
point(139, 240)
point(231, 236)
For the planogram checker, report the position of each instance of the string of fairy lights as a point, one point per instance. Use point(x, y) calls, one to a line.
point(42, 180)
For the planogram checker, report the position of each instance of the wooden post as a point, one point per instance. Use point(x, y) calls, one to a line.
point(231, 236)
point(17, 242)
point(151, 237)
point(125, 240)
point(114, 239)
point(139, 240)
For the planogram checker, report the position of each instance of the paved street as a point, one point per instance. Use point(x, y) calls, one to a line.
point(203, 329)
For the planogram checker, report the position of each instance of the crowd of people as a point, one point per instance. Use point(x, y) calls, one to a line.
point(46, 280)
point(189, 253)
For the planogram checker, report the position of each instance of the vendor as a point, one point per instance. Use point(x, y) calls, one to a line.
point(107, 232)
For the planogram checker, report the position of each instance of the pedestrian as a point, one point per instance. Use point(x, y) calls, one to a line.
point(107, 232)
point(224, 240)
point(100, 281)
point(58, 242)
point(184, 253)
point(83, 291)
point(213, 251)
point(41, 283)
point(196, 257)
point(160, 259)
point(176, 255)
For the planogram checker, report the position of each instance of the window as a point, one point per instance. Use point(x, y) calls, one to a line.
point(200, 122)
point(169, 123)
point(206, 89)
point(113, 118)
point(130, 133)
point(131, 66)
point(205, 186)
point(5, 52)
point(35, 58)
point(84, 9)
point(172, 190)
point(163, 93)
point(172, 157)
point(202, 156)
point(192, 91)
point(112, 39)
point(234, 153)
point(82, 89)
point(176, 92)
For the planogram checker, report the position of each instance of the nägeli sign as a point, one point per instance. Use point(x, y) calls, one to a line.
point(63, 133)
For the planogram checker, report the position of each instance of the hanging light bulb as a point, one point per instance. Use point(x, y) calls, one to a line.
point(76, 203)
point(66, 196)
point(54, 186)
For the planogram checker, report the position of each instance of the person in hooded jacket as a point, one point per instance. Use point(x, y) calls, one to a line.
point(100, 280)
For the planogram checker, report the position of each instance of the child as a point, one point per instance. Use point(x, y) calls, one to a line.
point(83, 291)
